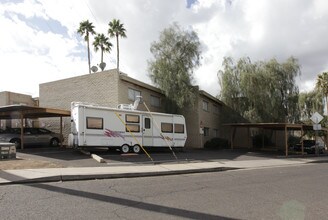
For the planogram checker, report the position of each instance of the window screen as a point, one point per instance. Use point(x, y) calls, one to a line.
point(95, 123)
point(147, 123)
point(132, 94)
point(155, 101)
point(132, 118)
point(206, 131)
point(133, 128)
point(178, 128)
point(205, 106)
point(167, 127)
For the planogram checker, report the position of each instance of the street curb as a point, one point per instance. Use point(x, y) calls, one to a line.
point(62, 178)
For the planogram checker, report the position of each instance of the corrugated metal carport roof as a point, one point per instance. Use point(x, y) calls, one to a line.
point(25, 111)
point(272, 126)
point(17, 111)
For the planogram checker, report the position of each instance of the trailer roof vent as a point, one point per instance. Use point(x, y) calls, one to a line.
point(126, 106)
point(133, 106)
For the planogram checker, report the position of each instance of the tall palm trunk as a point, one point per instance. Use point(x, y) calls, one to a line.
point(118, 56)
point(89, 54)
point(102, 56)
point(326, 96)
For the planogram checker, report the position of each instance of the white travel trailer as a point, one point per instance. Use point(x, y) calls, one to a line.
point(124, 128)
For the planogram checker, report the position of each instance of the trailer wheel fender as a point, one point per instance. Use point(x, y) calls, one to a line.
point(136, 149)
point(125, 148)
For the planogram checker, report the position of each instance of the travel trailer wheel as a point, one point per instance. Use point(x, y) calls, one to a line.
point(136, 149)
point(125, 149)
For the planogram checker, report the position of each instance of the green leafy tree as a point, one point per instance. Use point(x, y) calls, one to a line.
point(322, 85)
point(102, 42)
point(309, 103)
point(116, 29)
point(261, 91)
point(176, 54)
point(230, 80)
point(86, 29)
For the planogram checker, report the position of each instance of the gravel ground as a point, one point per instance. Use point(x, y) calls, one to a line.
point(20, 163)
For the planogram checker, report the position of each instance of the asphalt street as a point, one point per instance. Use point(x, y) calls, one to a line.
point(294, 192)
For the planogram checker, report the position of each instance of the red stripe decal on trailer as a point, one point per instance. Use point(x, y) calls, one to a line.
point(110, 133)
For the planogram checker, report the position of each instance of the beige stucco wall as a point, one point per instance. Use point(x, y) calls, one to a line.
point(106, 88)
point(109, 88)
point(197, 117)
point(12, 98)
point(99, 88)
point(192, 124)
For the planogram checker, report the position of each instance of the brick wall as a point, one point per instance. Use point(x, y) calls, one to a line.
point(99, 88)
point(147, 91)
point(109, 88)
point(12, 98)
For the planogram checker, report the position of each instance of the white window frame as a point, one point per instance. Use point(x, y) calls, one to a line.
point(215, 109)
point(215, 132)
point(206, 131)
point(205, 105)
point(134, 93)
point(154, 100)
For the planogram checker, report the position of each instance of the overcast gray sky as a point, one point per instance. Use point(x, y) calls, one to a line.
point(39, 42)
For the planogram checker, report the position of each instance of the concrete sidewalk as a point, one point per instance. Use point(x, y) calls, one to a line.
point(180, 167)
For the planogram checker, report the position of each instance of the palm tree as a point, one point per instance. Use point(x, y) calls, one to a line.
point(86, 28)
point(102, 42)
point(322, 85)
point(116, 29)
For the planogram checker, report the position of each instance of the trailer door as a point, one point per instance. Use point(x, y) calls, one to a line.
point(147, 134)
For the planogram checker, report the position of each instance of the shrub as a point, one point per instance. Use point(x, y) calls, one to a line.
point(216, 143)
point(293, 140)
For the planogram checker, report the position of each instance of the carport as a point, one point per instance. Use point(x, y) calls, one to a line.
point(285, 127)
point(32, 112)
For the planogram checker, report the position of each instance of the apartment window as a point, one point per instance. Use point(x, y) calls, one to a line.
point(95, 123)
point(205, 106)
point(206, 131)
point(155, 101)
point(132, 93)
point(215, 133)
point(215, 109)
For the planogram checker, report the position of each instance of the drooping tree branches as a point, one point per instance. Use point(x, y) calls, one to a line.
point(176, 54)
point(261, 91)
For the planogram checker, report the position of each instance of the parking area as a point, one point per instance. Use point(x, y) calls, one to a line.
point(53, 157)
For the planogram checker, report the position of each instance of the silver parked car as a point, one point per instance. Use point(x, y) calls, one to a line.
point(32, 136)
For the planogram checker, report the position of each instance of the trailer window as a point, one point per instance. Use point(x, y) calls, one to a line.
point(167, 127)
point(132, 128)
point(147, 123)
point(132, 118)
point(178, 128)
point(95, 123)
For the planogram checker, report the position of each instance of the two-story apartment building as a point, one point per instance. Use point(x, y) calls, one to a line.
point(12, 98)
point(110, 88)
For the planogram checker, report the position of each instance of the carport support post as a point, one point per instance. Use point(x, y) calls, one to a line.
point(233, 133)
point(22, 130)
point(302, 145)
point(286, 141)
point(61, 130)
